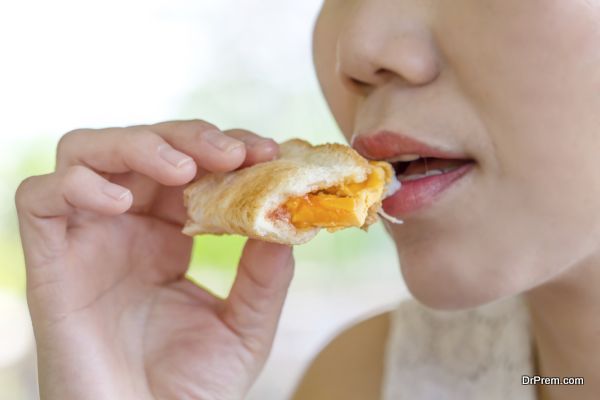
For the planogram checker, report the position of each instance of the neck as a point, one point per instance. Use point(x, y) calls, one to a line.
point(565, 315)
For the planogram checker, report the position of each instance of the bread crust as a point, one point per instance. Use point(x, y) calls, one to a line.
point(242, 201)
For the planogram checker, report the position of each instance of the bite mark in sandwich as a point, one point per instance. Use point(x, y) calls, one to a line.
point(335, 207)
point(288, 200)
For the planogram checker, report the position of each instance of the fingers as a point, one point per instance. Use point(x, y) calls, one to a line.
point(41, 199)
point(254, 304)
point(122, 150)
point(168, 204)
point(205, 143)
point(258, 149)
point(78, 187)
point(168, 152)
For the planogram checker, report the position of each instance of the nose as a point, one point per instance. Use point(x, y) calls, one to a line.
point(380, 42)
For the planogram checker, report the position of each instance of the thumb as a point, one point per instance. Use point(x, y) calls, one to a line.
point(254, 304)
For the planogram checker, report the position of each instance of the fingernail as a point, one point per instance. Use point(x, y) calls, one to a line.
point(222, 141)
point(115, 192)
point(172, 156)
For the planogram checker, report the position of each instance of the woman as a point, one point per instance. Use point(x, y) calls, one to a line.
point(513, 86)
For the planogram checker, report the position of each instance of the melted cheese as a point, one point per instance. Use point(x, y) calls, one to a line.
point(337, 206)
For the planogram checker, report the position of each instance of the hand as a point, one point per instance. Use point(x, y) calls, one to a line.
point(113, 313)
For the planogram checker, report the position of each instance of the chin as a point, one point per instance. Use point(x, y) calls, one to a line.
point(445, 279)
point(442, 297)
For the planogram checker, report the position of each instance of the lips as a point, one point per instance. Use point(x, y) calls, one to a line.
point(426, 172)
point(389, 146)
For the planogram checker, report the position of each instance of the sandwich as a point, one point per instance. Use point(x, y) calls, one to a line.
point(290, 199)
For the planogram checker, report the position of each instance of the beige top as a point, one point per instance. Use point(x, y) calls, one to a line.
point(469, 355)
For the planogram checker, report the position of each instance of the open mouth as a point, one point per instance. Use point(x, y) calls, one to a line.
point(412, 168)
point(425, 172)
point(423, 180)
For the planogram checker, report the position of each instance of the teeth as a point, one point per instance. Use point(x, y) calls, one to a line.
point(411, 177)
point(448, 169)
point(433, 172)
point(405, 158)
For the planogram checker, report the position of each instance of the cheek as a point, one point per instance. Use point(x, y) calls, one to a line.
point(512, 229)
point(341, 102)
point(532, 71)
point(541, 112)
point(496, 249)
point(531, 212)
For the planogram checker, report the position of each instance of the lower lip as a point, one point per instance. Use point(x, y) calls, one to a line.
point(416, 195)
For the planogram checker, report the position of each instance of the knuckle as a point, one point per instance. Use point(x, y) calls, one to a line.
point(199, 128)
point(74, 172)
point(69, 139)
point(201, 125)
point(23, 190)
point(141, 136)
point(72, 177)
point(242, 134)
point(200, 135)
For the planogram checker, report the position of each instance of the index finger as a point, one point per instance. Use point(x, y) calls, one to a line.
point(149, 149)
point(204, 142)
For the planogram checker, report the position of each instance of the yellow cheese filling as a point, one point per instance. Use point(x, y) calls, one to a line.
point(338, 206)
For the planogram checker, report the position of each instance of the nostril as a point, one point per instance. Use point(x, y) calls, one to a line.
point(357, 86)
point(358, 82)
point(364, 87)
point(382, 75)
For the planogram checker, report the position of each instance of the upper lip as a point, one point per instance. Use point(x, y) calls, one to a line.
point(389, 146)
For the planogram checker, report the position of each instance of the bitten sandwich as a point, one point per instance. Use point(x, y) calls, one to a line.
point(288, 200)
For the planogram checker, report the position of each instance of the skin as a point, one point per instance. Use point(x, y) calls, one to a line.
point(516, 86)
point(113, 314)
point(512, 83)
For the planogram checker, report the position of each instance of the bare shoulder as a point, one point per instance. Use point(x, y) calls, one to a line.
point(350, 366)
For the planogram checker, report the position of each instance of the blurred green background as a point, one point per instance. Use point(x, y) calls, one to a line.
point(248, 77)
point(244, 64)
point(244, 101)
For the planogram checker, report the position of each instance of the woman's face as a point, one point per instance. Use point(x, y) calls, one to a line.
point(513, 85)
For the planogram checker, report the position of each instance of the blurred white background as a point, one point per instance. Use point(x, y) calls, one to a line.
point(69, 64)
